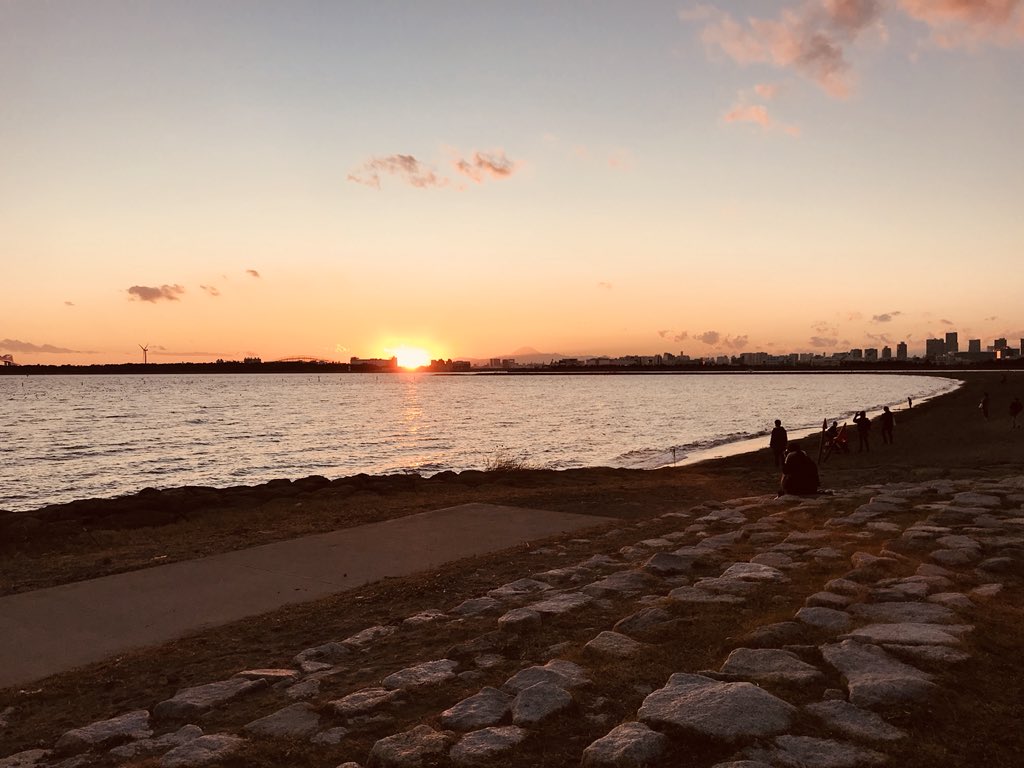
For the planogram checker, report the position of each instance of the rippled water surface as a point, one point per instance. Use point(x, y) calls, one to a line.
point(72, 437)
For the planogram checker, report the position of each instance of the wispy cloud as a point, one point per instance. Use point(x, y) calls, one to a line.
point(810, 38)
point(968, 23)
point(881, 338)
point(154, 294)
point(210, 289)
point(404, 167)
point(823, 341)
point(478, 167)
point(945, 322)
point(69, 303)
point(483, 165)
point(670, 334)
point(253, 273)
point(822, 327)
point(28, 348)
point(885, 317)
point(758, 115)
point(605, 285)
point(716, 339)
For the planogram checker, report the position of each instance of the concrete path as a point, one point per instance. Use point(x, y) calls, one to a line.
point(60, 628)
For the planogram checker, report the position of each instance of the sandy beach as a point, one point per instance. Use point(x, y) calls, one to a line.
point(946, 441)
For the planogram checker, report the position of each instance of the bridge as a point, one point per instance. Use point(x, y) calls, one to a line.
point(301, 359)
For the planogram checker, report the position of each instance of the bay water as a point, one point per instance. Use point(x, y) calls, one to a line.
point(74, 437)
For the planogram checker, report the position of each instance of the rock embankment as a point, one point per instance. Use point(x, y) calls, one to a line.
point(881, 597)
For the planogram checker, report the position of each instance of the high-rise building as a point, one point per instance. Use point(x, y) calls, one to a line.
point(952, 345)
point(934, 348)
point(887, 353)
point(974, 345)
point(901, 351)
point(856, 354)
point(999, 344)
point(871, 354)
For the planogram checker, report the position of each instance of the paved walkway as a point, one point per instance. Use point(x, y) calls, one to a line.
point(60, 628)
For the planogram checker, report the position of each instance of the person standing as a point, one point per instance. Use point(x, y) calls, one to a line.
point(888, 420)
point(984, 406)
point(1015, 408)
point(863, 429)
point(778, 442)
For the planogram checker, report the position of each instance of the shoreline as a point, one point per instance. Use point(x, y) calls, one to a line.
point(944, 437)
point(680, 456)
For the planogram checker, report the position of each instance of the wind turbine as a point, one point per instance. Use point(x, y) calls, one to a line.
point(145, 353)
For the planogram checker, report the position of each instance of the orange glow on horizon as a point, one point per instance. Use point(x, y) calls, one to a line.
point(411, 358)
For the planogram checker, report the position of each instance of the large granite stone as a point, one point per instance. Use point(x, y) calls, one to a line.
point(157, 746)
point(910, 633)
point(417, 748)
point(519, 620)
point(558, 672)
point(876, 679)
point(854, 722)
point(538, 703)
point(365, 700)
point(808, 752)
point(828, 619)
point(518, 589)
point(369, 636)
point(327, 654)
point(630, 745)
point(421, 675)
point(723, 712)
point(477, 606)
point(557, 605)
point(754, 572)
point(201, 751)
point(191, 702)
point(129, 726)
point(486, 746)
point(669, 564)
point(769, 665)
point(613, 644)
point(294, 721)
point(696, 595)
point(621, 583)
point(486, 708)
point(900, 612)
point(643, 620)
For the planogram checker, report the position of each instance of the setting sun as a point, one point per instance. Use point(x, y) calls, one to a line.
point(411, 357)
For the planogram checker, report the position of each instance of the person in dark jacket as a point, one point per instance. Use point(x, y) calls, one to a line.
point(888, 420)
point(778, 443)
point(799, 473)
point(863, 431)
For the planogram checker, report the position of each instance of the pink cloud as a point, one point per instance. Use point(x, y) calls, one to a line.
point(757, 114)
point(766, 91)
point(153, 294)
point(749, 113)
point(956, 23)
point(405, 167)
point(811, 38)
point(483, 165)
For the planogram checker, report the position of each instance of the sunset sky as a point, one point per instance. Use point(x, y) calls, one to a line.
point(220, 178)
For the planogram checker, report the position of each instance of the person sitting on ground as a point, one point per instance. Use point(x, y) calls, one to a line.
point(835, 438)
point(799, 473)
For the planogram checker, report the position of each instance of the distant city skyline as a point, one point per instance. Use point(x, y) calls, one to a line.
point(215, 180)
